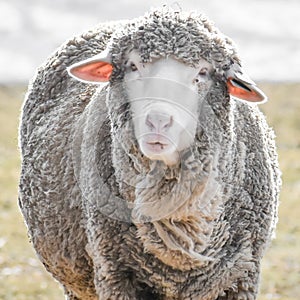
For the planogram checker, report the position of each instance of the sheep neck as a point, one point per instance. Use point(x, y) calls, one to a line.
point(174, 208)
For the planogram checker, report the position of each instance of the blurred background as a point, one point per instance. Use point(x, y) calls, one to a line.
point(267, 33)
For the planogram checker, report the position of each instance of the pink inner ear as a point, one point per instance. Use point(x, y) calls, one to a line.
point(245, 93)
point(98, 71)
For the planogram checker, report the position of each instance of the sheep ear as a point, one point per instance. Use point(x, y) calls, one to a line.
point(242, 87)
point(93, 70)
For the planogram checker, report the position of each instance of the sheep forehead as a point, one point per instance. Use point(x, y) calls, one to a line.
point(187, 37)
point(168, 67)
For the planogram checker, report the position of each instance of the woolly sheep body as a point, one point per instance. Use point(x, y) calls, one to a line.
point(209, 248)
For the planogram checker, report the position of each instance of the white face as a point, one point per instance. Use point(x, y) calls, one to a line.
point(164, 100)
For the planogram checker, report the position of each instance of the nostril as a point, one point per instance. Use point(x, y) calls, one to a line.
point(158, 121)
point(168, 123)
point(149, 122)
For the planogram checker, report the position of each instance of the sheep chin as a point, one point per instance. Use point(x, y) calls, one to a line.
point(163, 152)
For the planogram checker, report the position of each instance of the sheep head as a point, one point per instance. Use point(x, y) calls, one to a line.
point(165, 97)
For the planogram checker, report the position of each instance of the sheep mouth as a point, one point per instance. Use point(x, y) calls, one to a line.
point(157, 146)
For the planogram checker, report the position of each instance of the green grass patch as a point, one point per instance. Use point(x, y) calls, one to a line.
point(22, 277)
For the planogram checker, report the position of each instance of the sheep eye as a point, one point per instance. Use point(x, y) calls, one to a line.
point(203, 72)
point(133, 67)
point(202, 75)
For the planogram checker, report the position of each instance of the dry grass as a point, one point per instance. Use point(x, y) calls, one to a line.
point(22, 277)
point(281, 265)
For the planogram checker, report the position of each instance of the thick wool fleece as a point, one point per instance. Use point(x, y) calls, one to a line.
point(109, 223)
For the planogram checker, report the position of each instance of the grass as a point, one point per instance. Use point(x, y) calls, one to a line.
point(22, 277)
point(281, 265)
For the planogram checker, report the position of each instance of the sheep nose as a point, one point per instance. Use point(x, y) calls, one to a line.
point(157, 121)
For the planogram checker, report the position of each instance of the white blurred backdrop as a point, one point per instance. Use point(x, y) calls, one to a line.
point(267, 32)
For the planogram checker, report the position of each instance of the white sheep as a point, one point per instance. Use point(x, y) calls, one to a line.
point(157, 185)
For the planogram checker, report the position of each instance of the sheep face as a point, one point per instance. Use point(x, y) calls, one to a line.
point(165, 99)
point(165, 96)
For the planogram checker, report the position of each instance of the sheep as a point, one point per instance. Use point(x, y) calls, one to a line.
point(148, 171)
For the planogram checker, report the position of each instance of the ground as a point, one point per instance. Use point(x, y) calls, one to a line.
point(22, 277)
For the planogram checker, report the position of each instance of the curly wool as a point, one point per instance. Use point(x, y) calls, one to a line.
point(89, 229)
point(188, 37)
